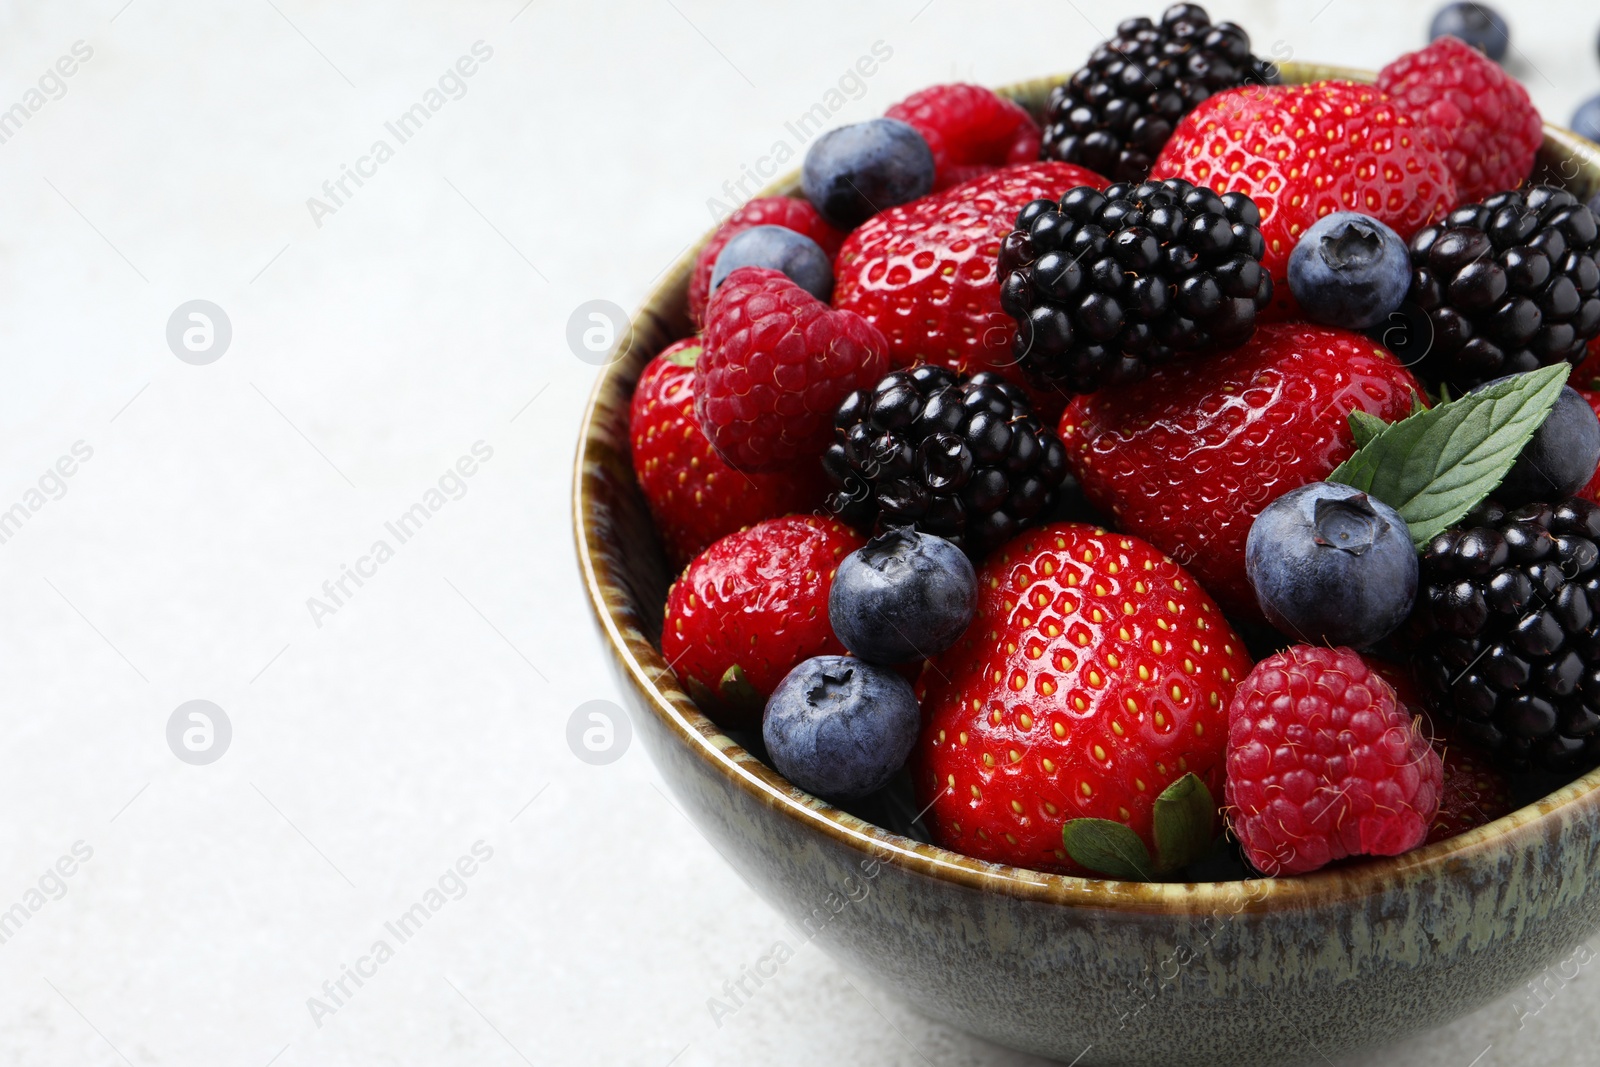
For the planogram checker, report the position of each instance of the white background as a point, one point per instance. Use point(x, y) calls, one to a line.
point(369, 353)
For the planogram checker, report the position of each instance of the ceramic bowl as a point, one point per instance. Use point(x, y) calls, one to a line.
point(1094, 972)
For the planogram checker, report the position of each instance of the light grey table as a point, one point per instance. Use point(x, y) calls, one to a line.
point(398, 857)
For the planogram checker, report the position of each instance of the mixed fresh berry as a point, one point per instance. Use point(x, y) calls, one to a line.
point(1332, 566)
point(1324, 762)
point(778, 248)
point(1305, 151)
point(962, 458)
point(1586, 120)
point(970, 129)
point(1096, 674)
point(1349, 270)
point(1476, 791)
point(1005, 454)
point(1508, 642)
point(790, 212)
point(695, 497)
point(840, 727)
point(854, 172)
point(1509, 285)
point(1189, 457)
point(1105, 285)
point(1561, 456)
point(1478, 25)
point(777, 362)
point(750, 609)
point(1115, 114)
point(902, 597)
point(927, 276)
point(1480, 116)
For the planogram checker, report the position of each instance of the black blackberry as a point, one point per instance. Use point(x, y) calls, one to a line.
point(1508, 285)
point(965, 459)
point(1103, 285)
point(1115, 114)
point(1507, 625)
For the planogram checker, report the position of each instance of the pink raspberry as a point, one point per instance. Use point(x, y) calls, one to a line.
point(777, 362)
point(1324, 762)
point(788, 211)
point(970, 130)
point(1482, 120)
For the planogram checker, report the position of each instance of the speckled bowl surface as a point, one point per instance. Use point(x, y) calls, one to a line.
point(1266, 972)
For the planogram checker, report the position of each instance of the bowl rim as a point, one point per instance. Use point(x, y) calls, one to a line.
point(645, 669)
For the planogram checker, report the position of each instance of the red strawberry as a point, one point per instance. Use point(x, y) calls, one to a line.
point(926, 273)
point(1482, 120)
point(749, 609)
point(1372, 158)
point(776, 364)
point(789, 211)
point(1095, 674)
point(1304, 151)
point(1325, 762)
point(970, 130)
point(1189, 457)
point(693, 495)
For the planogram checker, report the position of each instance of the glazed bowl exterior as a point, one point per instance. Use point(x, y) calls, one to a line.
point(1267, 972)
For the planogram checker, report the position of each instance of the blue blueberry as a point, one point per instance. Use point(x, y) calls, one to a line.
point(1477, 24)
point(1559, 459)
point(1349, 270)
point(839, 727)
point(1586, 120)
point(1332, 566)
point(905, 595)
point(780, 248)
point(854, 172)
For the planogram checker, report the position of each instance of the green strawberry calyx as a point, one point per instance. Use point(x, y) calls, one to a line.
point(685, 356)
point(1182, 821)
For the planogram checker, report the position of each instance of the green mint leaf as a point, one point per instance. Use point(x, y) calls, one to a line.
point(1435, 466)
point(1365, 427)
point(1108, 848)
point(1183, 815)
